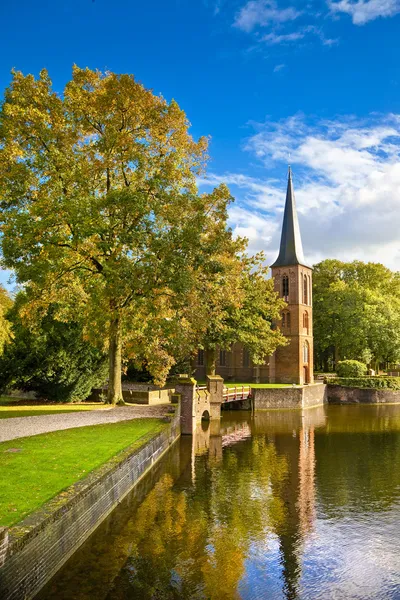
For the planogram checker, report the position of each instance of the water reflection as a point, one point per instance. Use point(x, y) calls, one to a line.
point(278, 505)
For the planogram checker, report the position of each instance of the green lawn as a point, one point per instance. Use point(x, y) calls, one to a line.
point(259, 385)
point(35, 469)
point(15, 407)
point(231, 384)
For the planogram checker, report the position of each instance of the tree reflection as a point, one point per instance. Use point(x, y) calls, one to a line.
point(197, 548)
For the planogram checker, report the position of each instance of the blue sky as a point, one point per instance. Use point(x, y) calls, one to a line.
point(318, 81)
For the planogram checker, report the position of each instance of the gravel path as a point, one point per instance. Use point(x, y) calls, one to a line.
point(17, 427)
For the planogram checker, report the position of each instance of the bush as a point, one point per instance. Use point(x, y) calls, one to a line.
point(54, 361)
point(351, 368)
point(377, 383)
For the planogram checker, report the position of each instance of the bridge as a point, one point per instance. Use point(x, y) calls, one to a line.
point(230, 394)
point(199, 402)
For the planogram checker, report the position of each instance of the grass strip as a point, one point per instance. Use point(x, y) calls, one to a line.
point(35, 469)
point(253, 385)
point(259, 385)
point(34, 410)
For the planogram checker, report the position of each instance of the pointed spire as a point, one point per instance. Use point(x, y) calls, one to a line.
point(291, 249)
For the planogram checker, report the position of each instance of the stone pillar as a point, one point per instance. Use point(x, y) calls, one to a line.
point(215, 386)
point(3, 545)
point(186, 388)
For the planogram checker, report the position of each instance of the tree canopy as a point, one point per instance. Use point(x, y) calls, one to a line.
point(101, 216)
point(356, 312)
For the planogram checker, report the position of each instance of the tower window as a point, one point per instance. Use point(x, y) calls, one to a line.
point(305, 289)
point(286, 320)
point(305, 353)
point(200, 358)
point(285, 288)
point(222, 358)
point(246, 358)
point(305, 321)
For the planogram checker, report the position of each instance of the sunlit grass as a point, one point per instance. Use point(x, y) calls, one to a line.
point(231, 384)
point(259, 385)
point(11, 407)
point(35, 469)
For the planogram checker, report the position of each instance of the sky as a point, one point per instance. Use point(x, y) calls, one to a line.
point(316, 84)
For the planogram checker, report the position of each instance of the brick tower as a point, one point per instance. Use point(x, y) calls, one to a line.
point(293, 281)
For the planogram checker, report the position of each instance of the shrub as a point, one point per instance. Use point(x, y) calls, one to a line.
point(351, 368)
point(54, 361)
point(377, 383)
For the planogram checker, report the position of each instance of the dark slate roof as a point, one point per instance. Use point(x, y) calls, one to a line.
point(291, 249)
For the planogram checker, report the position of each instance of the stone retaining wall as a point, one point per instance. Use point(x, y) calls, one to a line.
point(34, 550)
point(340, 394)
point(137, 394)
point(291, 397)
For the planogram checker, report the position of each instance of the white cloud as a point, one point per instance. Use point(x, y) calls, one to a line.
point(363, 11)
point(347, 185)
point(278, 68)
point(273, 38)
point(283, 38)
point(263, 12)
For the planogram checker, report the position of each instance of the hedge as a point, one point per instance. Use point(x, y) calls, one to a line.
point(378, 383)
point(351, 368)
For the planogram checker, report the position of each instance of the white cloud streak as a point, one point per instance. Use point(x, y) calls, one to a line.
point(363, 11)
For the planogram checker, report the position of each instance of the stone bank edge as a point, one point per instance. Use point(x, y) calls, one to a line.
point(35, 549)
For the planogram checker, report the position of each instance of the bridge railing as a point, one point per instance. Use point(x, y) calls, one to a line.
point(240, 392)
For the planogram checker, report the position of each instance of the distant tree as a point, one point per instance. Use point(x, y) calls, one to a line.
point(101, 214)
point(356, 312)
point(53, 359)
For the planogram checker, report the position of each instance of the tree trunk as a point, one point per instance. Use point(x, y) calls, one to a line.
point(337, 356)
point(114, 395)
point(211, 361)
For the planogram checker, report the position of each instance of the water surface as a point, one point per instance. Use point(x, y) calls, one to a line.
point(282, 504)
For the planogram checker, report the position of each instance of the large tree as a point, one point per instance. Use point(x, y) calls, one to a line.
point(356, 312)
point(101, 214)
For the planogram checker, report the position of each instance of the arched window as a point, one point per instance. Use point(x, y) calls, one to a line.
point(306, 353)
point(288, 320)
point(283, 320)
point(305, 290)
point(305, 321)
point(309, 291)
point(285, 288)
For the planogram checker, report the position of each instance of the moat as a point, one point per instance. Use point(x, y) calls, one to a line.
point(281, 504)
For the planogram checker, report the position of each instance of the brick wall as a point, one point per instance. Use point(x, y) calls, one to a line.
point(290, 397)
point(42, 543)
point(339, 394)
